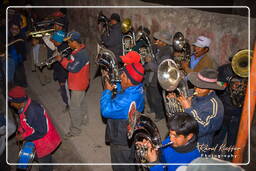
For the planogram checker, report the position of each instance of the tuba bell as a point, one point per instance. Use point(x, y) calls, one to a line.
point(237, 84)
point(128, 39)
point(172, 79)
point(141, 127)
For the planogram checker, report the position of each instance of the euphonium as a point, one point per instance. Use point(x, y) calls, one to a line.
point(128, 39)
point(171, 79)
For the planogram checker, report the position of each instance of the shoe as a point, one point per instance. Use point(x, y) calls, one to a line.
point(66, 109)
point(69, 135)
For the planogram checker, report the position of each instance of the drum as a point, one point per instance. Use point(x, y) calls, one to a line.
point(26, 155)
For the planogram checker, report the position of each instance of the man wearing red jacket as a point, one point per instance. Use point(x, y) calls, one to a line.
point(35, 126)
point(77, 66)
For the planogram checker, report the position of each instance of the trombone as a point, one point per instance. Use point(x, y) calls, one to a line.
point(39, 34)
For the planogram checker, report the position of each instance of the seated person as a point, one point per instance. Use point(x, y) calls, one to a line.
point(183, 131)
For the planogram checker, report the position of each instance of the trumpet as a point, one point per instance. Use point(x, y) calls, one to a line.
point(64, 53)
point(38, 34)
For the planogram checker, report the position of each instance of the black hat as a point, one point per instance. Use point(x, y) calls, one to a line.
point(60, 21)
point(116, 17)
point(207, 79)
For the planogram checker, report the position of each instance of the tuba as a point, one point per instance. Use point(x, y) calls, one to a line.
point(107, 61)
point(142, 127)
point(145, 50)
point(172, 79)
point(237, 84)
point(180, 44)
point(128, 39)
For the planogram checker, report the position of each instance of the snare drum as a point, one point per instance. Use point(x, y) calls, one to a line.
point(26, 155)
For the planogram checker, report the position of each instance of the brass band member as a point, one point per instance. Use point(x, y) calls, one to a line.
point(113, 41)
point(200, 59)
point(205, 106)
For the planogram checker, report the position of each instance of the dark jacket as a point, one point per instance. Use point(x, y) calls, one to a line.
point(161, 53)
point(208, 112)
point(116, 110)
point(113, 42)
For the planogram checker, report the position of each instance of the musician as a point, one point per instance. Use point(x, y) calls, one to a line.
point(162, 50)
point(113, 41)
point(17, 51)
point(232, 112)
point(39, 54)
point(116, 111)
point(77, 65)
point(200, 59)
point(205, 106)
point(60, 74)
point(183, 132)
point(34, 126)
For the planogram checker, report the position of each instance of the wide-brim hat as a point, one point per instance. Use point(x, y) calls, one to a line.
point(163, 36)
point(206, 79)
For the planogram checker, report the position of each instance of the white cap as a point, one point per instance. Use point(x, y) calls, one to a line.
point(202, 42)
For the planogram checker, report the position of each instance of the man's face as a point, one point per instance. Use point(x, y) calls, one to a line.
point(201, 92)
point(71, 44)
point(198, 51)
point(112, 22)
point(178, 140)
point(57, 27)
point(15, 105)
point(15, 30)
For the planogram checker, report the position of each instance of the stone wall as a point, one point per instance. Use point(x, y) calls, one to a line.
point(229, 33)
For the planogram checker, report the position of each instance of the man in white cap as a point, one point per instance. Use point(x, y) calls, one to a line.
point(199, 59)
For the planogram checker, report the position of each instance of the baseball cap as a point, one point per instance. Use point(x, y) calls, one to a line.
point(17, 94)
point(131, 57)
point(135, 72)
point(58, 36)
point(202, 42)
point(73, 36)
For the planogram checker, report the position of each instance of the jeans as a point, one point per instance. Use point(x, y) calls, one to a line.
point(77, 110)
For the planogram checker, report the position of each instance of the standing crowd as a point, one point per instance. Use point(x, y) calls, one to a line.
point(208, 115)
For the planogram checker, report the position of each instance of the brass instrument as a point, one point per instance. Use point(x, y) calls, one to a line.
point(42, 33)
point(141, 127)
point(128, 39)
point(107, 61)
point(172, 79)
point(145, 50)
point(104, 22)
point(237, 84)
point(180, 44)
point(49, 61)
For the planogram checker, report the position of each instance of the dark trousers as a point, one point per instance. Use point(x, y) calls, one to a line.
point(230, 128)
point(20, 78)
point(155, 100)
point(63, 93)
point(121, 154)
point(46, 159)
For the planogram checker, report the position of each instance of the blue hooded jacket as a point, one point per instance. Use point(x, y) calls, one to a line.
point(118, 107)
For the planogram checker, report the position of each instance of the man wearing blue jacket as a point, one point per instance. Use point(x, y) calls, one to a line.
point(116, 111)
point(183, 132)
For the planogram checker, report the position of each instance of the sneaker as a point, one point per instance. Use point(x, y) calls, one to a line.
point(69, 135)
